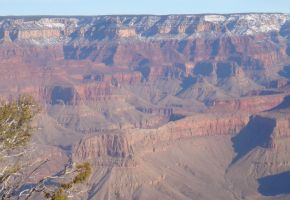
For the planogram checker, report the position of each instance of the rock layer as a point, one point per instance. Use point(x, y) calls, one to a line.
point(155, 103)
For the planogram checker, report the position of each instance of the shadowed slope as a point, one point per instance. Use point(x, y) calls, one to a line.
point(273, 185)
point(256, 134)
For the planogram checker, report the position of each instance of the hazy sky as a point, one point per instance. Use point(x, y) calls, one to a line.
point(98, 7)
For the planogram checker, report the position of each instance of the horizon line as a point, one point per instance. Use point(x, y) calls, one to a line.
point(184, 14)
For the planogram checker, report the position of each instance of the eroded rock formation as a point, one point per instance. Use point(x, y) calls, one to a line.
point(174, 95)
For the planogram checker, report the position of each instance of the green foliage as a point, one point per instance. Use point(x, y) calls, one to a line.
point(59, 195)
point(66, 186)
point(85, 172)
point(15, 118)
point(15, 132)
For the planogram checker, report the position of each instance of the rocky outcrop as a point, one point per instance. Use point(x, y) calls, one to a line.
point(94, 92)
point(114, 78)
point(158, 111)
point(233, 35)
point(199, 125)
point(257, 133)
point(279, 83)
point(253, 104)
point(119, 148)
point(124, 92)
point(282, 128)
point(281, 121)
point(156, 46)
point(106, 149)
point(38, 34)
point(266, 130)
point(127, 32)
point(30, 54)
point(88, 59)
point(100, 86)
point(208, 124)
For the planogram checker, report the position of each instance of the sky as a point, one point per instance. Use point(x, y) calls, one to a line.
point(159, 7)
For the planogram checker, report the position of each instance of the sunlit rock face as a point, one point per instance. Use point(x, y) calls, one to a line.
point(159, 105)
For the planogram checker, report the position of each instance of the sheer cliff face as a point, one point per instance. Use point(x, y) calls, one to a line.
point(165, 95)
point(236, 54)
point(245, 39)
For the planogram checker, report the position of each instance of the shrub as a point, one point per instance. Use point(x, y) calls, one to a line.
point(84, 172)
point(15, 118)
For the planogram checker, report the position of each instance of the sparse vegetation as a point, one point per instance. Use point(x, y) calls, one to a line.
point(15, 133)
point(15, 118)
point(58, 195)
point(83, 172)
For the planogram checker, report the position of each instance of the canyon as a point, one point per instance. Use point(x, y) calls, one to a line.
point(163, 107)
